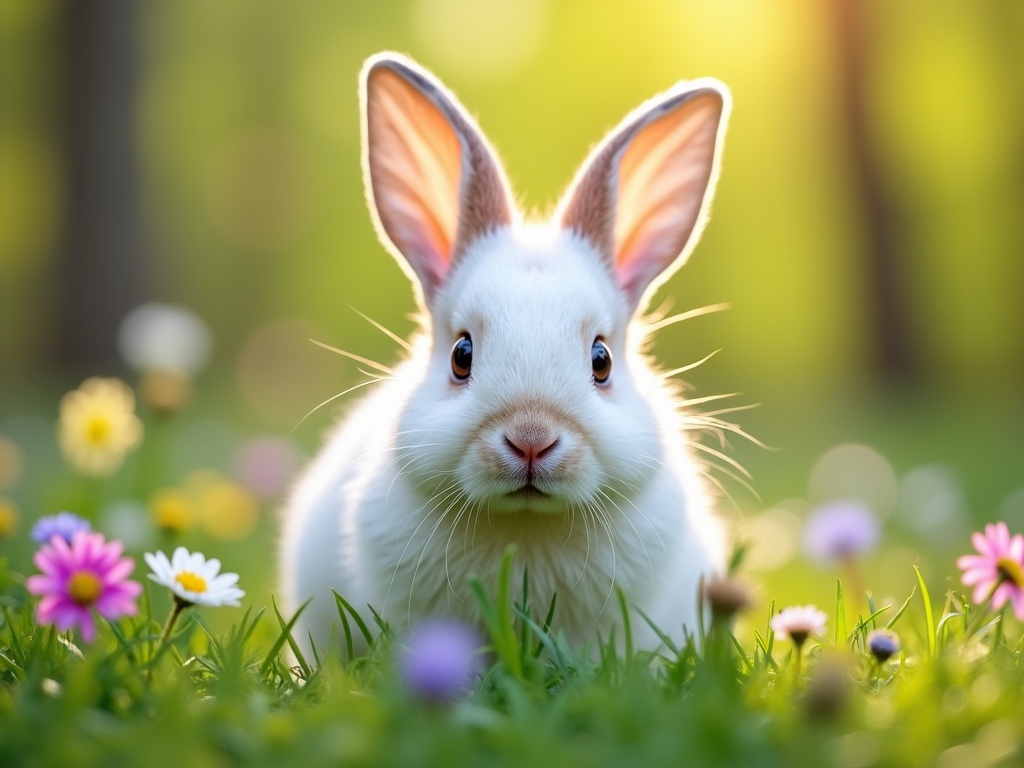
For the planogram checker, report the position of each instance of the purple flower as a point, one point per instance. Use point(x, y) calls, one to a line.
point(440, 660)
point(840, 530)
point(63, 524)
point(77, 578)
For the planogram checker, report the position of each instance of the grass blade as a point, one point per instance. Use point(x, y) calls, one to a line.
point(285, 636)
point(928, 617)
point(840, 630)
point(286, 629)
point(902, 610)
point(344, 604)
point(627, 629)
point(661, 635)
point(547, 624)
point(545, 640)
point(863, 623)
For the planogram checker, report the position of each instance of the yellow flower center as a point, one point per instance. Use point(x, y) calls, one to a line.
point(1010, 570)
point(97, 430)
point(191, 581)
point(84, 587)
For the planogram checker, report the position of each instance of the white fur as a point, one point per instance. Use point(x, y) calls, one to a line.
point(400, 507)
point(426, 482)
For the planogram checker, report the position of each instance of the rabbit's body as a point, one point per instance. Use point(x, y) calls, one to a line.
point(524, 432)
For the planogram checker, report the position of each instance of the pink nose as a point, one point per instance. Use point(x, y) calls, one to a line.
point(530, 445)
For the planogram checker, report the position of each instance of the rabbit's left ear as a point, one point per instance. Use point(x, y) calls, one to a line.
point(434, 183)
point(642, 196)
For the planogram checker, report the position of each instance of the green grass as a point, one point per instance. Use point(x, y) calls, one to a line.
point(231, 688)
point(952, 697)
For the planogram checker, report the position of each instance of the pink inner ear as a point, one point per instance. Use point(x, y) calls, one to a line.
point(663, 175)
point(415, 165)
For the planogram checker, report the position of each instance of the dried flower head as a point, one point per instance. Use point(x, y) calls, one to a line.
point(829, 689)
point(997, 571)
point(77, 578)
point(727, 596)
point(98, 426)
point(164, 391)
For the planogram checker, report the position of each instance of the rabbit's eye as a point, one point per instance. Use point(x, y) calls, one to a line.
point(601, 361)
point(462, 357)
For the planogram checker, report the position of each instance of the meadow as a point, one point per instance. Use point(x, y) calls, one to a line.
point(927, 676)
point(182, 208)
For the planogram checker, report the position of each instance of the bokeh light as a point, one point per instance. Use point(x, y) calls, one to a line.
point(483, 39)
point(773, 535)
point(282, 374)
point(931, 503)
point(12, 463)
point(853, 471)
point(266, 465)
point(165, 337)
point(128, 521)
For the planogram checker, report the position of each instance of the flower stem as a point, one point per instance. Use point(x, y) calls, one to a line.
point(179, 606)
point(172, 619)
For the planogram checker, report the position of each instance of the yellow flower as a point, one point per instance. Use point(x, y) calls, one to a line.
point(11, 463)
point(172, 510)
point(98, 426)
point(227, 511)
point(8, 518)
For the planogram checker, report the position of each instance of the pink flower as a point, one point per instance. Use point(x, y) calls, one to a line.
point(798, 622)
point(998, 569)
point(90, 573)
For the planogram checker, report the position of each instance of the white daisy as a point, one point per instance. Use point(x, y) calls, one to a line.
point(193, 579)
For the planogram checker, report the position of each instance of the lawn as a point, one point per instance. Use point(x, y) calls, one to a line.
point(224, 685)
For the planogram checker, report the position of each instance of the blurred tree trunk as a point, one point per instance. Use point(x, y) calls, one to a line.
point(895, 357)
point(100, 267)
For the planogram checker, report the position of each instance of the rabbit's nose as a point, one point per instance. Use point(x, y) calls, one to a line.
point(530, 444)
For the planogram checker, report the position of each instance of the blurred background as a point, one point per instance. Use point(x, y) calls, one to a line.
point(867, 232)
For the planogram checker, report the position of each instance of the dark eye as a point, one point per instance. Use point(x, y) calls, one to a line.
point(462, 357)
point(601, 361)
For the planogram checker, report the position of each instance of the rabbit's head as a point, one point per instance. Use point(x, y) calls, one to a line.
point(528, 394)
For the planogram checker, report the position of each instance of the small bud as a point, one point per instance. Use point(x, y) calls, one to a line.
point(829, 689)
point(883, 644)
point(164, 391)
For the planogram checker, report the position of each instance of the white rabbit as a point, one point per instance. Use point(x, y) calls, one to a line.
point(525, 413)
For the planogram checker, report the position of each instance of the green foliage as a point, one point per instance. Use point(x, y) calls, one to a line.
point(130, 700)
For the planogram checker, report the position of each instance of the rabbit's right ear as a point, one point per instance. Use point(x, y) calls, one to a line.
point(433, 182)
point(642, 196)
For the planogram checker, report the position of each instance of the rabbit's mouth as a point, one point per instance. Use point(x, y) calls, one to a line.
point(528, 491)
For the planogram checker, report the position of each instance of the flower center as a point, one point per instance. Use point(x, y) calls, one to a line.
point(97, 430)
point(799, 636)
point(84, 587)
point(191, 581)
point(1010, 570)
